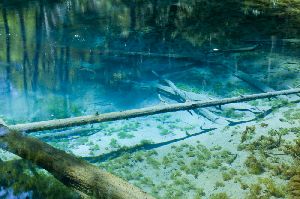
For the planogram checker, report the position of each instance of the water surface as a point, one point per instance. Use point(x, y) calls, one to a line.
point(68, 58)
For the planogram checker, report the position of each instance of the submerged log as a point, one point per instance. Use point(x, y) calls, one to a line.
point(70, 170)
point(89, 119)
point(253, 82)
point(174, 55)
point(236, 50)
point(184, 97)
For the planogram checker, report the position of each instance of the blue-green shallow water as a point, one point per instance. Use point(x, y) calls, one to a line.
point(68, 58)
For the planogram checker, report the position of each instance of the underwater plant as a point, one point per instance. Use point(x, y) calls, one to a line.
point(229, 175)
point(114, 143)
point(124, 135)
point(22, 176)
point(231, 113)
point(221, 195)
point(219, 184)
point(294, 186)
point(254, 166)
point(199, 193)
point(248, 133)
point(153, 162)
point(293, 150)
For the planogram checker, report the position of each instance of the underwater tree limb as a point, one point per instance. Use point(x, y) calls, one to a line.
point(89, 119)
point(183, 97)
point(70, 170)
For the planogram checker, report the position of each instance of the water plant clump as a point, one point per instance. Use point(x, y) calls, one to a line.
point(254, 165)
point(266, 188)
point(221, 195)
point(114, 143)
point(22, 176)
point(248, 133)
point(229, 175)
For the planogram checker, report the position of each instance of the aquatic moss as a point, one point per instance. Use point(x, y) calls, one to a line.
point(173, 193)
point(294, 186)
point(266, 188)
point(273, 189)
point(232, 113)
point(264, 125)
point(125, 135)
point(146, 181)
point(199, 193)
point(22, 176)
point(219, 184)
point(164, 132)
point(138, 156)
point(254, 191)
point(153, 162)
point(163, 117)
point(167, 160)
point(292, 115)
point(248, 133)
point(188, 88)
point(243, 185)
point(293, 150)
point(114, 143)
point(196, 166)
point(254, 166)
point(95, 147)
point(229, 175)
point(221, 195)
point(215, 164)
point(266, 143)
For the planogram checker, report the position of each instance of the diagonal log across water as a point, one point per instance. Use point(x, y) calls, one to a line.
point(70, 170)
point(89, 119)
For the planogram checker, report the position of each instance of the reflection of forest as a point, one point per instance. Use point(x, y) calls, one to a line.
point(45, 43)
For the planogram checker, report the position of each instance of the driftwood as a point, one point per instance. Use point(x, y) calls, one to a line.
point(70, 170)
point(89, 119)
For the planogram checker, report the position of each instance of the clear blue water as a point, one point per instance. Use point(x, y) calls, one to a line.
point(69, 58)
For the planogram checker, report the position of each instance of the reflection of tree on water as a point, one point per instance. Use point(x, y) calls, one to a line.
point(25, 51)
point(8, 56)
point(38, 39)
point(62, 49)
point(192, 23)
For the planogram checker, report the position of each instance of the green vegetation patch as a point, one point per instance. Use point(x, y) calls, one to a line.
point(22, 176)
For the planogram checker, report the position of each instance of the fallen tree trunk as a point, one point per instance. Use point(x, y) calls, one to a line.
point(70, 170)
point(89, 119)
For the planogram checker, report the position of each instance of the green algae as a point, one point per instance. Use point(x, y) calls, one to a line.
point(22, 176)
point(254, 166)
point(221, 195)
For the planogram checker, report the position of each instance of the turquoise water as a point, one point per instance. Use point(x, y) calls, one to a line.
point(61, 59)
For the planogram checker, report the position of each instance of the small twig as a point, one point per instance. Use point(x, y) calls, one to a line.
point(161, 99)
